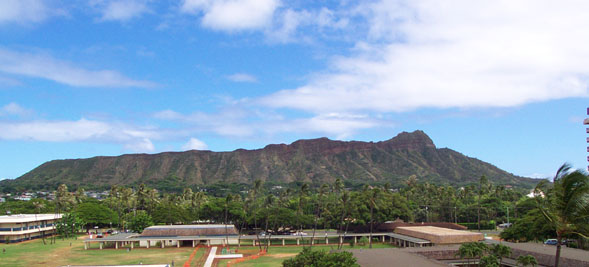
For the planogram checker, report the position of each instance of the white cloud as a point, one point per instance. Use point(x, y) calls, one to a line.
point(47, 67)
point(232, 15)
point(135, 139)
point(453, 54)
point(14, 109)
point(288, 23)
point(242, 123)
point(242, 77)
point(195, 144)
point(142, 145)
point(24, 11)
point(121, 10)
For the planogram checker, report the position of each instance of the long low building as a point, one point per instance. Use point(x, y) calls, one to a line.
point(439, 235)
point(209, 234)
point(21, 227)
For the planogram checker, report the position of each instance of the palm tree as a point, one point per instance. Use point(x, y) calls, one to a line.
point(255, 192)
point(483, 181)
point(501, 251)
point(345, 199)
point(471, 250)
point(228, 200)
point(565, 204)
point(39, 205)
point(527, 260)
point(268, 202)
point(373, 196)
point(319, 207)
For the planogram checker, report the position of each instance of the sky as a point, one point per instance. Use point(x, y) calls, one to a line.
point(502, 81)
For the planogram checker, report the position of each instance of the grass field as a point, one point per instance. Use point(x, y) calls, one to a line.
point(34, 253)
point(71, 252)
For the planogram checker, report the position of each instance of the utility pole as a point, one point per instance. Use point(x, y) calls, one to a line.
point(426, 215)
point(455, 216)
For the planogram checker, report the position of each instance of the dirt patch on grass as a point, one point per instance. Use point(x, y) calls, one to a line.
point(281, 255)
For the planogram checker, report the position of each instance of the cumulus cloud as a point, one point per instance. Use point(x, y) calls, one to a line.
point(136, 139)
point(47, 67)
point(243, 123)
point(232, 15)
point(24, 11)
point(14, 109)
point(121, 10)
point(141, 145)
point(456, 54)
point(242, 77)
point(194, 144)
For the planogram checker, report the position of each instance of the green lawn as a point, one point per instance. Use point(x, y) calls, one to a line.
point(34, 253)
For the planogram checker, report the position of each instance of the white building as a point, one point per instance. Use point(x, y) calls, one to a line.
point(21, 227)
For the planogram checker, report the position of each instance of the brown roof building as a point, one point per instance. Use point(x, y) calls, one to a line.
point(190, 230)
point(438, 235)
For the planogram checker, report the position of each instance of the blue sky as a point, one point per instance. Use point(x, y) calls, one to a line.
point(502, 81)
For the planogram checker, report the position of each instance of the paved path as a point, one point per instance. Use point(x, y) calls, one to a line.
point(391, 257)
point(565, 252)
point(211, 257)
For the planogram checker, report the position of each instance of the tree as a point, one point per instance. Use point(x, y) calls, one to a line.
point(94, 213)
point(482, 182)
point(471, 250)
point(373, 195)
point(489, 261)
point(69, 225)
point(345, 200)
point(501, 251)
point(139, 221)
point(320, 258)
point(565, 203)
point(39, 205)
point(526, 260)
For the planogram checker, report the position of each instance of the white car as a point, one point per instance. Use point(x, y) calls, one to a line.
point(299, 233)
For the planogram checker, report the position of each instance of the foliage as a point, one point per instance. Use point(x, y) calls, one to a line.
point(139, 221)
point(500, 251)
point(565, 204)
point(27, 207)
point(69, 225)
point(95, 214)
point(526, 260)
point(484, 226)
point(489, 261)
point(471, 250)
point(320, 258)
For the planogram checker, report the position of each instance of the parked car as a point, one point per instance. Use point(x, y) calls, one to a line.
point(505, 225)
point(551, 242)
point(300, 233)
point(99, 235)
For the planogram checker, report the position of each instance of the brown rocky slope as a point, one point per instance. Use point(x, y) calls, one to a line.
point(316, 161)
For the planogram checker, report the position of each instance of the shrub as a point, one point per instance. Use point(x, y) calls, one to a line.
point(320, 258)
point(363, 241)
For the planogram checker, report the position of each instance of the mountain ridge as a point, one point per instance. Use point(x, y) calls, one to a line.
point(315, 161)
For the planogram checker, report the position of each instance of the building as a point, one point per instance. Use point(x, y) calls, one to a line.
point(439, 235)
point(187, 235)
point(21, 227)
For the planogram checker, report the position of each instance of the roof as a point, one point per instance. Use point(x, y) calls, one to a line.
point(409, 238)
point(440, 235)
point(20, 218)
point(190, 230)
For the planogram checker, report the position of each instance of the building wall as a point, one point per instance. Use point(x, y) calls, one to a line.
point(24, 237)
